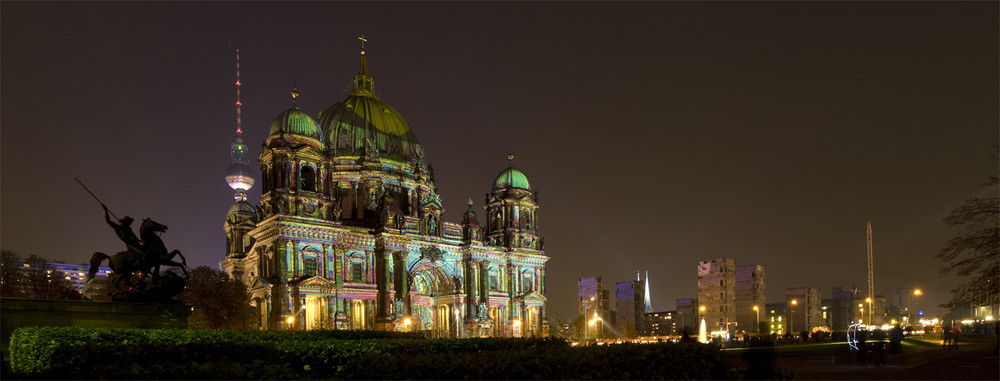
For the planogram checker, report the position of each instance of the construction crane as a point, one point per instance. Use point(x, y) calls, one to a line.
point(871, 275)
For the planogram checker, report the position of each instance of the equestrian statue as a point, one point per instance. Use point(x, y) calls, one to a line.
point(136, 272)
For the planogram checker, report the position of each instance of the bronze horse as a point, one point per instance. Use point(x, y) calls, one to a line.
point(146, 263)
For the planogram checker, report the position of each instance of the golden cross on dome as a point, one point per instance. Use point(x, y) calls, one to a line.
point(363, 41)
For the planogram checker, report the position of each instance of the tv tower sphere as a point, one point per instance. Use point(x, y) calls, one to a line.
point(239, 176)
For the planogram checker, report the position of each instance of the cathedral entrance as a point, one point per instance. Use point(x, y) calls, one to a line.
point(435, 304)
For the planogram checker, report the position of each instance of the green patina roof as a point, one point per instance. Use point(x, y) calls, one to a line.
point(296, 126)
point(350, 123)
point(511, 178)
point(243, 208)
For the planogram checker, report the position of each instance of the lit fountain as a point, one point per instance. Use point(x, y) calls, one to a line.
point(702, 335)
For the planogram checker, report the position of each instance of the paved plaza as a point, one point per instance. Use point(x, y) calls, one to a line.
point(975, 359)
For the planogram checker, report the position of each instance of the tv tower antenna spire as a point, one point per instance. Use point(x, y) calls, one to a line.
point(239, 119)
point(239, 176)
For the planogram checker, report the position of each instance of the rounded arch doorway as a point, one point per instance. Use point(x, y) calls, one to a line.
point(434, 300)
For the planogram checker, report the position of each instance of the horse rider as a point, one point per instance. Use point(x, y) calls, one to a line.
point(124, 232)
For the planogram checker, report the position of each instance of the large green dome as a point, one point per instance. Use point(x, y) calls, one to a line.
point(350, 124)
point(511, 178)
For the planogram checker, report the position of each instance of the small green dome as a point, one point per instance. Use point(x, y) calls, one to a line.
point(244, 209)
point(511, 178)
point(297, 127)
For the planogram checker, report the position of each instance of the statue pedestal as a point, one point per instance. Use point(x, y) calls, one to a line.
point(20, 312)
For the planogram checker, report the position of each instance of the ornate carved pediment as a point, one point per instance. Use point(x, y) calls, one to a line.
point(258, 283)
point(315, 284)
point(533, 299)
point(431, 253)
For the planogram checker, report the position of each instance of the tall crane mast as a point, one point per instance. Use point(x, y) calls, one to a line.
point(871, 275)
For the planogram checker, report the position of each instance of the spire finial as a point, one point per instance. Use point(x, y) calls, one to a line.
point(363, 84)
point(295, 97)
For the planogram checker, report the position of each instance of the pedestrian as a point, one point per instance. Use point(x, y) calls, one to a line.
point(946, 332)
point(955, 333)
point(861, 336)
point(896, 339)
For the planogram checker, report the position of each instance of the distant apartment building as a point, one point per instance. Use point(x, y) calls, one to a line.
point(803, 305)
point(826, 313)
point(750, 297)
point(595, 301)
point(851, 306)
point(687, 316)
point(844, 306)
point(776, 319)
point(662, 323)
point(74, 275)
point(717, 293)
point(629, 308)
point(903, 299)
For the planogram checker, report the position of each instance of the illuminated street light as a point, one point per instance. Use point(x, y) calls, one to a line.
point(870, 309)
point(757, 312)
point(791, 318)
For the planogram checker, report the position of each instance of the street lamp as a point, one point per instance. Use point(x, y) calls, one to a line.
point(869, 301)
point(916, 304)
point(591, 324)
point(791, 318)
point(757, 326)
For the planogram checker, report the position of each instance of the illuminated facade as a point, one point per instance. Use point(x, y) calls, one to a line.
point(594, 301)
point(349, 233)
point(630, 316)
point(717, 293)
point(804, 309)
point(687, 313)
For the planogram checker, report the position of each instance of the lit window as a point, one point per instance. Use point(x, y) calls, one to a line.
point(357, 272)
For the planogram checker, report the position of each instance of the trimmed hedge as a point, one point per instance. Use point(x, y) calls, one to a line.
point(81, 353)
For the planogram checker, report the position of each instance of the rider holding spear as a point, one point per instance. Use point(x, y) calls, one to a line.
point(123, 229)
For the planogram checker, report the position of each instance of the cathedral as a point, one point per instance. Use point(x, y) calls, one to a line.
point(348, 232)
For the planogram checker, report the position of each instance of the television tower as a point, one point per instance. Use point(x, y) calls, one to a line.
point(239, 175)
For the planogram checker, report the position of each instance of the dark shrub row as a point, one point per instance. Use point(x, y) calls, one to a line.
point(80, 353)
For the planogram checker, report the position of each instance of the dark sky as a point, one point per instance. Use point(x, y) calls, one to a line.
point(658, 134)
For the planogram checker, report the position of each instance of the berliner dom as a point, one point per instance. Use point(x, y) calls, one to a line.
point(349, 232)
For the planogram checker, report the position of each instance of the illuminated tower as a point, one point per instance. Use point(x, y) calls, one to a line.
point(242, 216)
point(647, 303)
point(511, 209)
point(238, 175)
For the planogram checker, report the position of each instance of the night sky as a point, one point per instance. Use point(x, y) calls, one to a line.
point(657, 134)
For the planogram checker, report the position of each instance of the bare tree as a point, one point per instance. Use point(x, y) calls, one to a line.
point(975, 253)
point(10, 274)
point(33, 277)
point(218, 301)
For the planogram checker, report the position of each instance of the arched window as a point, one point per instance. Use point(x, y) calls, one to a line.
point(307, 178)
point(493, 280)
